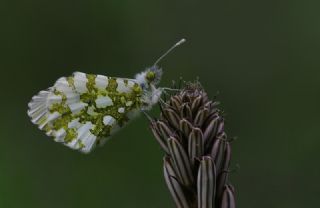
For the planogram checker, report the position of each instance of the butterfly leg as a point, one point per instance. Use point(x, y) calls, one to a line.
point(170, 89)
point(147, 115)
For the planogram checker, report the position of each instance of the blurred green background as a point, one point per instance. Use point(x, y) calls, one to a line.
point(262, 56)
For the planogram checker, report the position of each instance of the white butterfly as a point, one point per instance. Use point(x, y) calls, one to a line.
point(83, 110)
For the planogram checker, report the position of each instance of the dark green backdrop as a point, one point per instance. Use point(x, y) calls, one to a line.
point(263, 57)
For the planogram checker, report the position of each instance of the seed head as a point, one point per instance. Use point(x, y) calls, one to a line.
point(190, 130)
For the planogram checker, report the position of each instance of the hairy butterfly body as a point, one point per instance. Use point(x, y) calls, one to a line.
point(84, 110)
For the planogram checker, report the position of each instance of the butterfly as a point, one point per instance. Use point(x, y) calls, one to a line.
point(83, 110)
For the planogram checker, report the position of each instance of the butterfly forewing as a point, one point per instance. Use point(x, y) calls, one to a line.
point(85, 109)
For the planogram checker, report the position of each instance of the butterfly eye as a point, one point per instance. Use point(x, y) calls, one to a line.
point(150, 76)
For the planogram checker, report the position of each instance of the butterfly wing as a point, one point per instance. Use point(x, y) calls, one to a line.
point(84, 110)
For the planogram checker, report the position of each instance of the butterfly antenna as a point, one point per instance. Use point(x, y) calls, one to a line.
point(168, 51)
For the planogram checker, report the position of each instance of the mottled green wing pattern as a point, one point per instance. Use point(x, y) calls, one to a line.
point(83, 110)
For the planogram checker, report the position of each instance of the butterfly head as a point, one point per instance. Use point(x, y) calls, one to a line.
point(153, 75)
point(150, 77)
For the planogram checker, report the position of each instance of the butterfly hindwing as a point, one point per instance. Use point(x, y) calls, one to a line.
point(84, 109)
